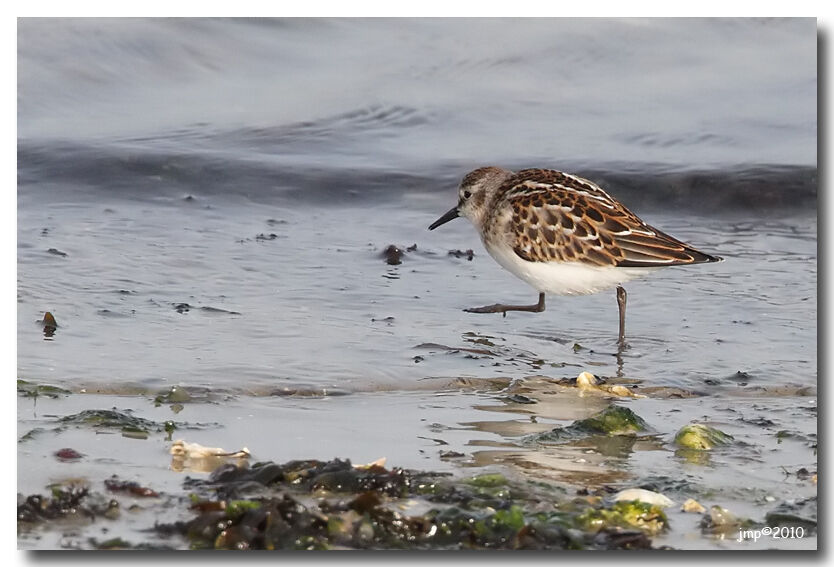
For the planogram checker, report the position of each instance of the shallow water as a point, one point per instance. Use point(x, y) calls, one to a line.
point(303, 309)
point(205, 204)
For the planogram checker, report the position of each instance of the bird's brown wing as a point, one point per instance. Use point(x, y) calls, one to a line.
point(557, 217)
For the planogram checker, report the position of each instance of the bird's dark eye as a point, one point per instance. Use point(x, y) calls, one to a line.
point(467, 194)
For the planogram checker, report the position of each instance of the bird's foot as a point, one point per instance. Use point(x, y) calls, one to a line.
point(496, 308)
point(501, 308)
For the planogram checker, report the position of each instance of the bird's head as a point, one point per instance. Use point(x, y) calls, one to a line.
point(475, 194)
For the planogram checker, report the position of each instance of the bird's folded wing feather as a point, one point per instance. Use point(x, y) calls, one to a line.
point(563, 218)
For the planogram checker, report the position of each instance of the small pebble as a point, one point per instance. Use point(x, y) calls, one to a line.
point(585, 380)
point(621, 391)
point(692, 505)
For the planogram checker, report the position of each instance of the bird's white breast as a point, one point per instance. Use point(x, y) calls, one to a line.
point(563, 278)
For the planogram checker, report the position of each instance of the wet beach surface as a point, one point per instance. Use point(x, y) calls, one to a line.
point(231, 282)
point(341, 362)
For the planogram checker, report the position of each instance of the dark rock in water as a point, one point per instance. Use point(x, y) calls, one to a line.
point(65, 501)
point(758, 421)
point(468, 254)
point(520, 399)
point(57, 252)
point(803, 473)
point(182, 307)
point(447, 455)
point(49, 324)
point(133, 488)
point(741, 377)
point(393, 255)
point(622, 539)
point(796, 514)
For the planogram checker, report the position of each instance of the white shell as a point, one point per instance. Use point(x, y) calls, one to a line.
point(643, 495)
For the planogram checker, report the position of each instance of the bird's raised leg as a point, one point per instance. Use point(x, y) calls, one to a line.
point(621, 302)
point(501, 308)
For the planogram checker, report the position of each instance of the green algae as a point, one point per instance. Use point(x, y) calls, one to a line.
point(368, 508)
point(320, 505)
point(646, 517)
point(114, 543)
point(490, 480)
point(31, 434)
point(130, 426)
point(296, 515)
point(32, 390)
point(237, 508)
point(123, 422)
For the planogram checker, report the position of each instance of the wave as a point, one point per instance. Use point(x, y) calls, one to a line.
point(252, 167)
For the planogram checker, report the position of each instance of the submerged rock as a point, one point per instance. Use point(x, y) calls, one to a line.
point(701, 437)
point(175, 394)
point(613, 420)
point(721, 517)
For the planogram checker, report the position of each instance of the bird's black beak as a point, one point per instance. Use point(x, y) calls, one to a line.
point(451, 215)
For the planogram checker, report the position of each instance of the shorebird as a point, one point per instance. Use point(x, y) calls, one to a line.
point(562, 234)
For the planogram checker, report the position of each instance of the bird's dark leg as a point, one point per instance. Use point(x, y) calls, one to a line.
point(501, 308)
point(621, 302)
